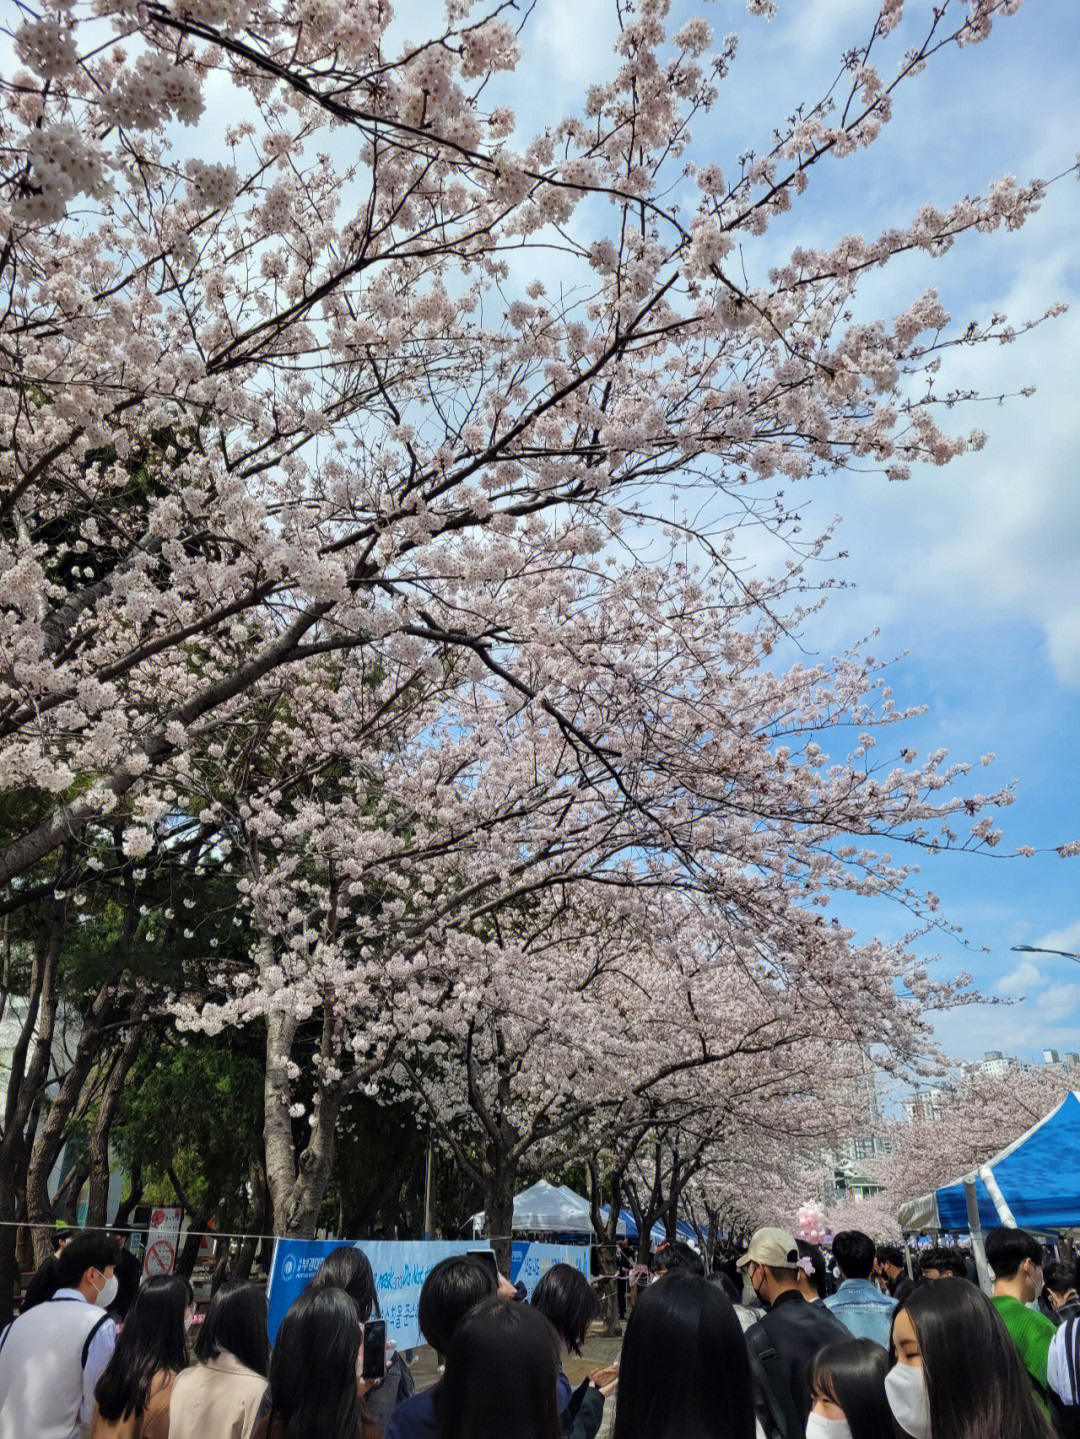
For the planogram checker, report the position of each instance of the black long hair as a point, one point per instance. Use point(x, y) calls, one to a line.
point(852, 1373)
point(151, 1340)
point(977, 1385)
point(685, 1371)
point(568, 1302)
point(313, 1367)
point(348, 1269)
point(819, 1276)
point(501, 1376)
point(236, 1322)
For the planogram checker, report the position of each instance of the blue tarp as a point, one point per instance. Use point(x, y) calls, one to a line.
point(1033, 1184)
point(658, 1233)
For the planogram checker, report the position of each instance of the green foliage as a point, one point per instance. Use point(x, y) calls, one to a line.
point(195, 1109)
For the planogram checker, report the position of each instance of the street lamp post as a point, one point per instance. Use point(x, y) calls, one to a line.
point(1034, 949)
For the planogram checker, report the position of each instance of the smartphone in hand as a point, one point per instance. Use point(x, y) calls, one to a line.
point(374, 1349)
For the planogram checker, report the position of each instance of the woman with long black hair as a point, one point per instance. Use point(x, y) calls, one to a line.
point(219, 1396)
point(315, 1385)
point(569, 1303)
point(501, 1373)
point(132, 1395)
point(685, 1370)
point(348, 1269)
point(954, 1373)
point(847, 1392)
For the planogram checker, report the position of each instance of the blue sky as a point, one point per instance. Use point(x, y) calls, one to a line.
point(972, 572)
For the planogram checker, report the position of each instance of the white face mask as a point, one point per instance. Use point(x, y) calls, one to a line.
point(107, 1293)
point(818, 1427)
point(905, 1389)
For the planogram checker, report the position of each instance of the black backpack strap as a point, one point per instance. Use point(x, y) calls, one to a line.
point(761, 1350)
point(105, 1319)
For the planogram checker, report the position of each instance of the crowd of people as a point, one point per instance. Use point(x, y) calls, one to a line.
point(783, 1344)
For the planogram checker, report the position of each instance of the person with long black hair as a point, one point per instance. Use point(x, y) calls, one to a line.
point(315, 1385)
point(348, 1269)
point(811, 1273)
point(847, 1392)
point(133, 1393)
point(685, 1370)
point(500, 1379)
point(454, 1287)
point(569, 1303)
point(219, 1396)
point(954, 1372)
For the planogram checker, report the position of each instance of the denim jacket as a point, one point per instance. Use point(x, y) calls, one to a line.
point(863, 1308)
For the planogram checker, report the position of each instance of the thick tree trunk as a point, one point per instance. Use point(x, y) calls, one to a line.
point(189, 1255)
point(297, 1181)
point(131, 1201)
point(10, 1277)
point(96, 1214)
point(260, 1223)
point(54, 1130)
point(79, 1175)
point(607, 1232)
point(28, 1074)
point(499, 1212)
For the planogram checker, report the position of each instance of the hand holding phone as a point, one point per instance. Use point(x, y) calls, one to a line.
point(374, 1366)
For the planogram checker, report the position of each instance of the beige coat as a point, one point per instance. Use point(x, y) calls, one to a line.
point(216, 1400)
point(152, 1423)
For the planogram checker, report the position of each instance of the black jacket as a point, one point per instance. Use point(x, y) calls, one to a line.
point(42, 1284)
point(901, 1287)
point(128, 1273)
point(782, 1348)
point(583, 1415)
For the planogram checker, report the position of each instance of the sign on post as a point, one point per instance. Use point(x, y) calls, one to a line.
point(400, 1267)
point(161, 1242)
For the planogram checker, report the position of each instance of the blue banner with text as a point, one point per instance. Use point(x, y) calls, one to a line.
point(530, 1262)
point(400, 1267)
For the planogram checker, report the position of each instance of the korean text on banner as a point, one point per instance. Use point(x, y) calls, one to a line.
point(400, 1267)
point(530, 1262)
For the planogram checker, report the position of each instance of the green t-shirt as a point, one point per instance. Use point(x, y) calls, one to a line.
point(1031, 1332)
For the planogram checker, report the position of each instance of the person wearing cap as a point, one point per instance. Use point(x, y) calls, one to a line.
point(784, 1342)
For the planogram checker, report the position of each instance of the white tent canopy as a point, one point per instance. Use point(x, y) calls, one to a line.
point(547, 1208)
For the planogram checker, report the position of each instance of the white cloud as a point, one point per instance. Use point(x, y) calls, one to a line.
point(1059, 1000)
point(1019, 980)
point(577, 36)
point(1024, 1029)
point(1067, 939)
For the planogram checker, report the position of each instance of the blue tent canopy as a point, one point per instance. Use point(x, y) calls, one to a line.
point(657, 1234)
point(1032, 1184)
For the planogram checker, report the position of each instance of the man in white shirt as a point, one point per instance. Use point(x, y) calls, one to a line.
point(52, 1356)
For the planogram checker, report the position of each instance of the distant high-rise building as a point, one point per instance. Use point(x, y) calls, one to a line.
point(924, 1103)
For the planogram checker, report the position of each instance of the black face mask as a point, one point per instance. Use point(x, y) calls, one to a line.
point(765, 1304)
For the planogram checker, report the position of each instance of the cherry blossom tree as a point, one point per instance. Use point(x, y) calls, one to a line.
point(258, 409)
point(975, 1115)
point(313, 517)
